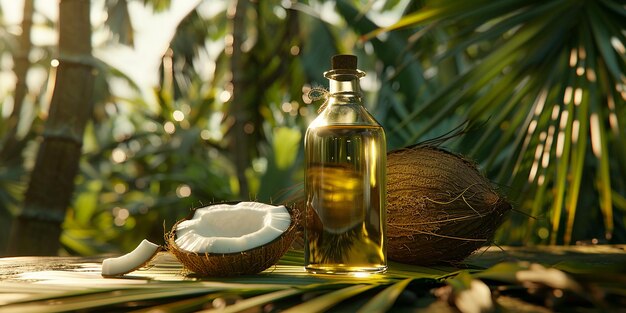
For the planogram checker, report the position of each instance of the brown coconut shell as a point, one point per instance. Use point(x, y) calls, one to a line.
point(440, 208)
point(246, 262)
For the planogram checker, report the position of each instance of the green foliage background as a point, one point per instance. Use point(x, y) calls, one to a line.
point(509, 71)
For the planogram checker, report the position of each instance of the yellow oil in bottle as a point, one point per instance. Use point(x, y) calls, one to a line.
point(345, 191)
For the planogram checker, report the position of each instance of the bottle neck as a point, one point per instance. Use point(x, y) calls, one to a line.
point(344, 86)
point(344, 82)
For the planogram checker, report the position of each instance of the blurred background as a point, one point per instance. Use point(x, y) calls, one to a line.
point(191, 102)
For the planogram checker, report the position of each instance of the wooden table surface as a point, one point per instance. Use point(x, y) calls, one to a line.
point(53, 284)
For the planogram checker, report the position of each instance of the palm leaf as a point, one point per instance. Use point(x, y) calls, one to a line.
point(580, 144)
point(386, 298)
point(546, 79)
point(326, 301)
point(74, 284)
point(187, 305)
point(258, 301)
point(100, 299)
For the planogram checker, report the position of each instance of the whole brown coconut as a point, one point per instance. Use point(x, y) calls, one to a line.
point(440, 208)
point(246, 262)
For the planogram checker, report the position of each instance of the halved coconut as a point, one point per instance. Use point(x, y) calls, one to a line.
point(233, 239)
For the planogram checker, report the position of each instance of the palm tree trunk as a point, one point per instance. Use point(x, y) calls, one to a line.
point(239, 139)
point(20, 69)
point(38, 227)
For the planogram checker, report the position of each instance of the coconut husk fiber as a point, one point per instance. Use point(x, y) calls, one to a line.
point(440, 208)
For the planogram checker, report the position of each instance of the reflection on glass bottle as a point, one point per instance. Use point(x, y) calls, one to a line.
point(345, 153)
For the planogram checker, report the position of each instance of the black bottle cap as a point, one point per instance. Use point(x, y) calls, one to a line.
point(344, 62)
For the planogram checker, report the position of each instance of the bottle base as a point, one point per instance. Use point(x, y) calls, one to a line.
point(346, 270)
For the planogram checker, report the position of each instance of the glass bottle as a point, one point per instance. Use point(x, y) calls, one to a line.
point(345, 155)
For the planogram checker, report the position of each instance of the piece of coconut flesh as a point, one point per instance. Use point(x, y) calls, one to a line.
point(131, 261)
point(228, 228)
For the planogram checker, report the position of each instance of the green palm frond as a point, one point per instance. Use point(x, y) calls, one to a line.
point(75, 284)
point(385, 299)
point(544, 81)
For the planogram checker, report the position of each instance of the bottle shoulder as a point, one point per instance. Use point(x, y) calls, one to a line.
point(352, 131)
point(345, 114)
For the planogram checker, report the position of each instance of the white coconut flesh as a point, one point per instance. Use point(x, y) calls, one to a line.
point(131, 261)
point(230, 228)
